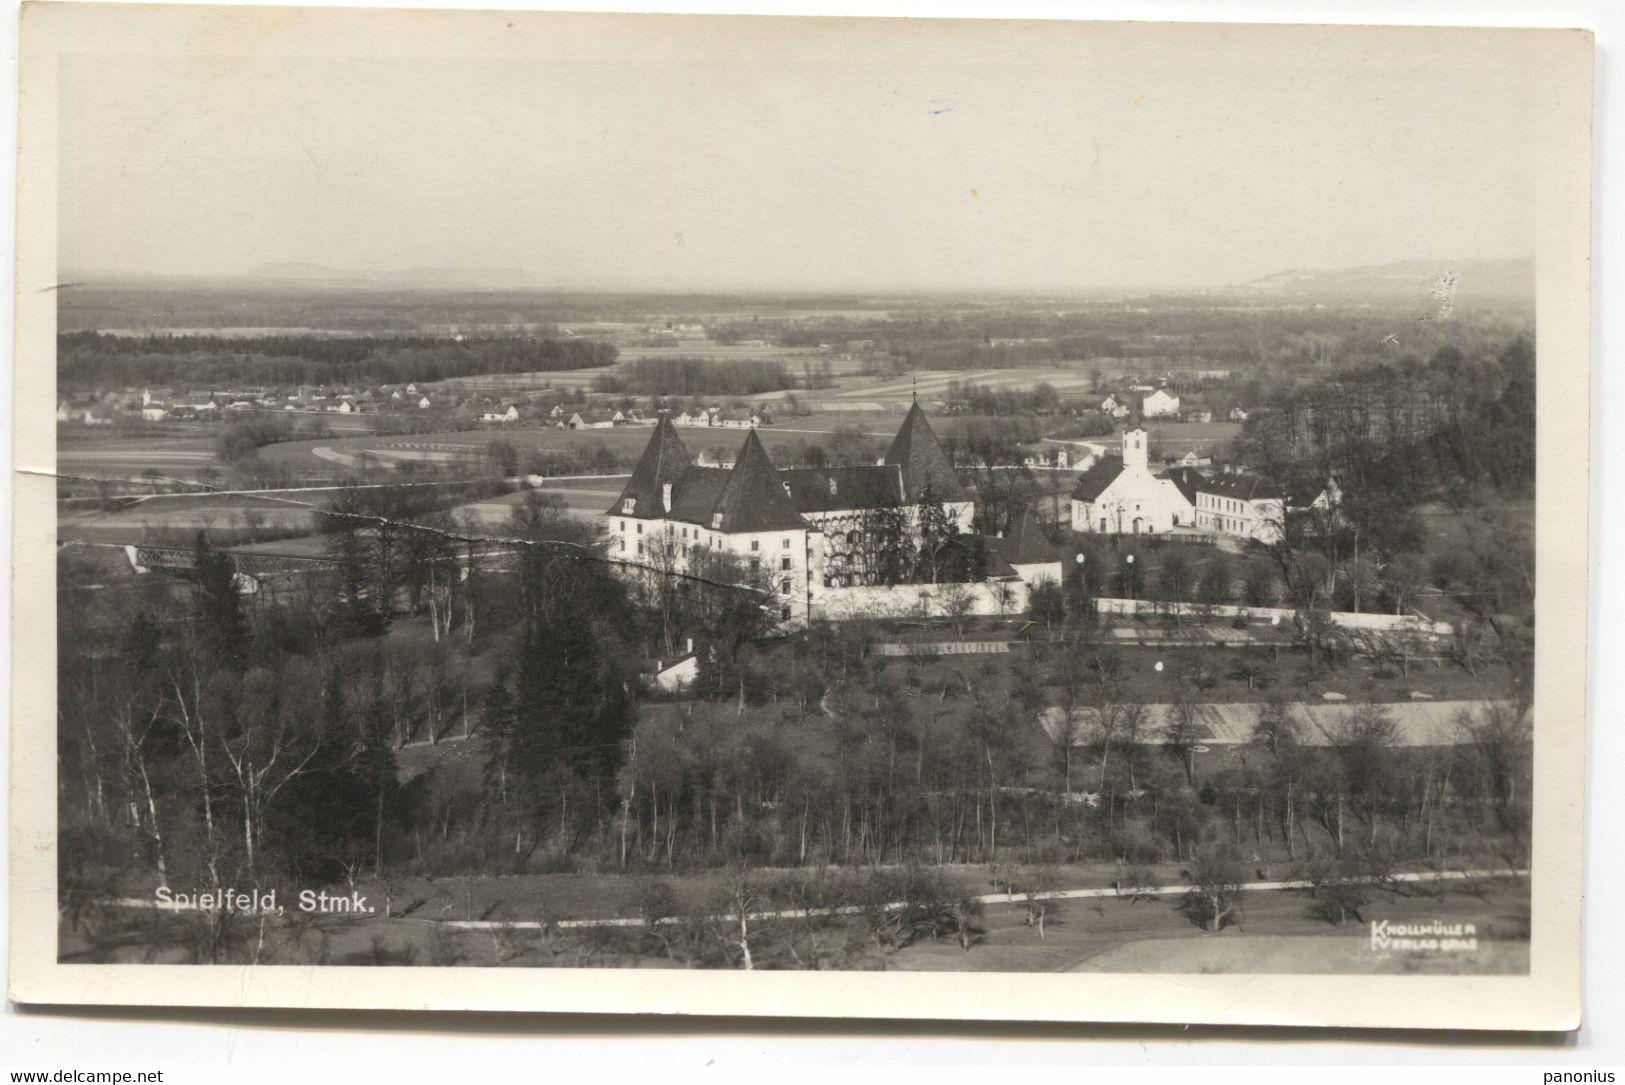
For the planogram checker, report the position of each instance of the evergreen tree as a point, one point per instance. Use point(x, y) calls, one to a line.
point(224, 631)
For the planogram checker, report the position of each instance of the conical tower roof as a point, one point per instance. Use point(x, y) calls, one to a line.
point(917, 451)
point(754, 499)
point(663, 463)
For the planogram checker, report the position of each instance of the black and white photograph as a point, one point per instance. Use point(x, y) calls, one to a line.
point(1057, 506)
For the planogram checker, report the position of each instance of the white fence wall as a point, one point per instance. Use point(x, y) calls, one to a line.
point(986, 599)
point(1371, 623)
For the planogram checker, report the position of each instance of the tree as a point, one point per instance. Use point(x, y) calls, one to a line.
point(958, 602)
point(1181, 734)
point(1252, 670)
point(1216, 876)
point(1217, 580)
point(938, 533)
point(347, 547)
point(1401, 579)
point(1258, 585)
point(1175, 579)
point(1317, 633)
point(1277, 728)
point(1045, 604)
point(499, 733)
point(220, 613)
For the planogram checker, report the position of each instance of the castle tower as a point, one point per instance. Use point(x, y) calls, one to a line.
point(661, 466)
point(919, 454)
point(1135, 452)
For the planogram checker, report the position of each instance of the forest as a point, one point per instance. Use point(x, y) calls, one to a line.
point(88, 358)
point(680, 376)
point(212, 738)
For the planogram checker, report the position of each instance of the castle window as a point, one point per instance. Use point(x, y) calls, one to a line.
point(716, 521)
point(786, 489)
point(786, 542)
point(784, 562)
point(756, 544)
point(640, 529)
point(629, 504)
point(832, 486)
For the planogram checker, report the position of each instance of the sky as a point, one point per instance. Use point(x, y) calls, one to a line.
point(708, 154)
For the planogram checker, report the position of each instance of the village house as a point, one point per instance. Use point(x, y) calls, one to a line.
point(1241, 504)
point(1160, 404)
point(1046, 456)
point(1026, 548)
point(1310, 498)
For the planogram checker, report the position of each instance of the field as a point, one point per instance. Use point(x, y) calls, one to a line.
point(625, 441)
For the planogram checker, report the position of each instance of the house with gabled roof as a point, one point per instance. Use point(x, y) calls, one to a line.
point(1160, 404)
point(1242, 504)
point(1027, 549)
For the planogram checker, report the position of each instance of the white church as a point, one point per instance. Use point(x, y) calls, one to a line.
point(1119, 495)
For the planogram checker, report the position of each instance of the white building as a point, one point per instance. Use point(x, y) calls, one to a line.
point(509, 415)
point(1160, 404)
point(1244, 505)
point(795, 528)
point(1120, 495)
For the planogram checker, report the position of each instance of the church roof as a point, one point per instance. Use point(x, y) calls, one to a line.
point(918, 452)
point(664, 462)
point(1093, 482)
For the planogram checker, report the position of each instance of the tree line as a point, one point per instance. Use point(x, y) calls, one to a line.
point(88, 357)
point(682, 376)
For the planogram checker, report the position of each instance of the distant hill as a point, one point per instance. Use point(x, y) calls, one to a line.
point(1476, 280)
point(491, 278)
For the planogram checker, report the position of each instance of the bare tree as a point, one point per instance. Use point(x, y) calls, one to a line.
point(1216, 876)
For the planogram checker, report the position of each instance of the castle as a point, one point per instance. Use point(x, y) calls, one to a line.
point(807, 531)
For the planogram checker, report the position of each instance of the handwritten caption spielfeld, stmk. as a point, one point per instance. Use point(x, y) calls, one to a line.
point(261, 902)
